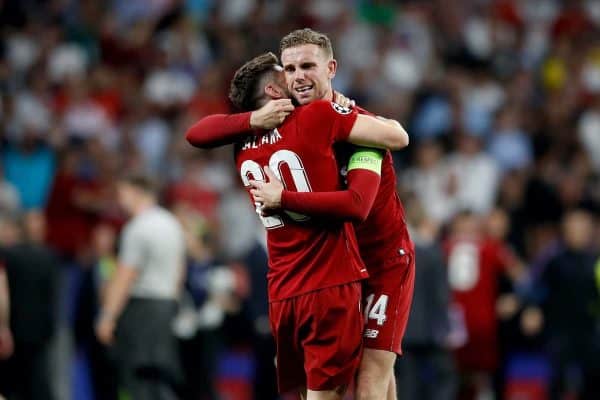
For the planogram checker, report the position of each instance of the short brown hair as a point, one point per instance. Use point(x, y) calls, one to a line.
point(141, 181)
point(300, 37)
point(244, 91)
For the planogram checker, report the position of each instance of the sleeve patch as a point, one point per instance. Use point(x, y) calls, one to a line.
point(364, 158)
point(341, 109)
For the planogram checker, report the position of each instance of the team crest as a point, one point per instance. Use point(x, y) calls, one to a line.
point(341, 109)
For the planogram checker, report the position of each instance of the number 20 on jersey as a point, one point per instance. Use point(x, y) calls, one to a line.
point(299, 177)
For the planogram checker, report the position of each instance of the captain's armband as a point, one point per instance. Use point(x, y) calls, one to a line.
point(366, 158)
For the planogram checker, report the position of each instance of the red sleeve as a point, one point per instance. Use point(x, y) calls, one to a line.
point(361, 110)
point(506, 258)
point(218, 130)
point(352, 204)
point(337, 120)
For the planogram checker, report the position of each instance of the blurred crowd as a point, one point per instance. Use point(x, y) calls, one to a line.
point(501, 181)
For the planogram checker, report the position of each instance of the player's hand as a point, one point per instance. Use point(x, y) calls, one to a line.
point(532, 321)
point(105, 330)
point(343, 100)
point(271, 114)
point(7, 345)
point(267, 193)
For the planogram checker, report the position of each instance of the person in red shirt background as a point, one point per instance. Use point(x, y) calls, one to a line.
point(476, 259)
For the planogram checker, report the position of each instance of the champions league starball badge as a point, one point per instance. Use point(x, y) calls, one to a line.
point(341, 109)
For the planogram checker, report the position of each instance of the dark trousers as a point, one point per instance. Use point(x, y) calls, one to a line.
point(425, 373)
point(146, 350)
point(149, 384)
point(265, 385)
point(199, 361)
point(103, 371)
point(25, 376)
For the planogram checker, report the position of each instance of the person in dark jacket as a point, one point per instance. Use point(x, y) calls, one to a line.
point(426, 370)
point(570, 301)
point(31, 270)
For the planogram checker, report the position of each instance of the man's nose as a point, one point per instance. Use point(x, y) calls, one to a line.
point(299, 75)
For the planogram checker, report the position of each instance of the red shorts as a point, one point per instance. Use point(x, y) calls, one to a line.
point(387, 296)
point(318, 337)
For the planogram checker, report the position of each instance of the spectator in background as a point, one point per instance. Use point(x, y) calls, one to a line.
point(84, 118)
point(430, 181)
point(29, 165)
point(69, 211)
point(96, 272)
point(6, 339)
point(201, 313)
point(256, 261)
point(194, 189)
point(569, 286)
point(475, 264)
point(10, 202)
point(8, 237)
point(473, 173)
point(588, 128)
point(426, 370)
point(141, 299)
point(32, 269)
point(510, 146)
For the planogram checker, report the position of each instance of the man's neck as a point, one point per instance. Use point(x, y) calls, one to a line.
point(329, 96)
point(143, 205)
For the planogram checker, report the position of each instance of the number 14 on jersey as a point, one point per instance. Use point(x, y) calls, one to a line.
point(376, 311)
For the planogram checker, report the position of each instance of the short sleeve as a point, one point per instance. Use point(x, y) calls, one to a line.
point(132, 252)
point(338, 119)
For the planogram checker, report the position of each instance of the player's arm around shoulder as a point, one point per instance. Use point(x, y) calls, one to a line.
point(378, 132)
point(221, 129)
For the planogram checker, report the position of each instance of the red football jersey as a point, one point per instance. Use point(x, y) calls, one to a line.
point(304, 254)
point(474, 266)
point(383, 236)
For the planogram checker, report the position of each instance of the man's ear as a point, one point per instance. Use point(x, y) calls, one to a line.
point(331, 68)
point(273, 91)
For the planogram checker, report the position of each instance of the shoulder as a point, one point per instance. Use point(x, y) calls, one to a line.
point(134, 228)
point(361, 110)
point(167, 219)
point(325, 107)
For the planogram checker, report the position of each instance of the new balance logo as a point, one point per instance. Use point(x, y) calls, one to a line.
point(371, 333)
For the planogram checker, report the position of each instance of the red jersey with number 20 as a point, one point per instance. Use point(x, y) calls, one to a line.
point(305, 254)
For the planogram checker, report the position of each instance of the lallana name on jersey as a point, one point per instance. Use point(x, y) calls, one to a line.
point(254, 142)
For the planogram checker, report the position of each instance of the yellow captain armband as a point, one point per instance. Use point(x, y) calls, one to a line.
point(366, 158)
